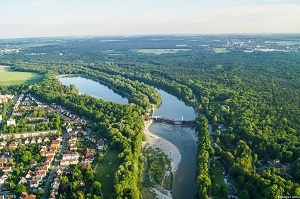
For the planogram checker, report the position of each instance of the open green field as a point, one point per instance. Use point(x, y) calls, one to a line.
point(284, 42)
point(105, 172)
point(217, 172)
point(160, 51)
point(10, 77)
point(221, 50)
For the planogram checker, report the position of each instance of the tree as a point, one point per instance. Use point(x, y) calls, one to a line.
point(97, 188)
point(26, 157)
point(224, 190)
point(40, 192)
point(64, 179)
point(244, 194)
point(21, 188)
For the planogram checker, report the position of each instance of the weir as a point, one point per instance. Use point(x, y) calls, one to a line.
point(181, 122)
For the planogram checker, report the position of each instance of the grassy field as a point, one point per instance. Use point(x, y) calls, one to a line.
point(221, 50)
point(105, 172)
point(160, 51)
point(217, 172)
point(10, 77)
point(284, 42)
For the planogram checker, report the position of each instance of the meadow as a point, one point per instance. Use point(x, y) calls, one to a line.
point(221, 50)
point(105, 172)
point(160, 51)
point(10, 77)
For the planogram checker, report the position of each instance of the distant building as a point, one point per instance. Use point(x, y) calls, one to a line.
point(4, 98)
point(11, 122)
point(100, 144)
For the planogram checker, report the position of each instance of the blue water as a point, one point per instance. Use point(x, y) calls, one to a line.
point(95, 89)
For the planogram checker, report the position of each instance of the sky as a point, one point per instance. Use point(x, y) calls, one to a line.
point(43, 18)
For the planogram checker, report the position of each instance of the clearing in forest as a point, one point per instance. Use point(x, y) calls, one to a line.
point(105, 172)
point(11, 77)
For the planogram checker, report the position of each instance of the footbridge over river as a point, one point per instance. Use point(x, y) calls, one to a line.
point(166, 120)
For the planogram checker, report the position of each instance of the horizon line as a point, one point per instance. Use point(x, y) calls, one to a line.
point(154, 34)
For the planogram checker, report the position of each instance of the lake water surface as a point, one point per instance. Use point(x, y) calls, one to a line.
point(93, 88)
point(184, 186)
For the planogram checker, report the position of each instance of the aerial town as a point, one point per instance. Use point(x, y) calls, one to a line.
point(33, 162)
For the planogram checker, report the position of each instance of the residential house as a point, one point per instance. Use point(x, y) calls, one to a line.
point(72, 142)
point(47, 165)
point(46, 139)
point(43, 150)
point(7, 169)
point(52, 148)
point(3, 162)
point(55, 144)
point(69, 128)
point(73, 138)
point(2, 144)
point(59, 138)
point(41, 174)
point(52, 194)
point(67, 171)
point(33, 163)
point(11, 122)
point(29, 174)
point(23, 181)
point(27, 141)
point(25, 195)
point(2, 180)
point(33, 141)
point(88, 153)
point(58, 173)
point(70, 156)
point(73, 148)
point(43, 168)
point(55, 184)
point(13, 145)
point(50, 153)
point(87, 161)
point(68, 162)
point(50, 158)
point(11, 196)
point(100, 144)
point(37, 178)
point(40, 140)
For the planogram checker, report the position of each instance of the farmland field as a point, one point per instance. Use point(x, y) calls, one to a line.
point(160, 51)
point(10, 77)
point(221, 50)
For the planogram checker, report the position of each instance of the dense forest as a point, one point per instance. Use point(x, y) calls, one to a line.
point(254, 93)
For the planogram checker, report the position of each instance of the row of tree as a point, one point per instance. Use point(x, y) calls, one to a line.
point(205, 151)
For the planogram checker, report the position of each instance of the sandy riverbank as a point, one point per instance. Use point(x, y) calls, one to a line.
point(168, 148)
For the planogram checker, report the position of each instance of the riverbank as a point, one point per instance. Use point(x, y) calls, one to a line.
point(169, 149)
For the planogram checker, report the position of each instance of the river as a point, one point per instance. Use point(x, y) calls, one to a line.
point(183, 138)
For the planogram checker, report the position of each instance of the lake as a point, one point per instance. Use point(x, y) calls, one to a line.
point(93, 88)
